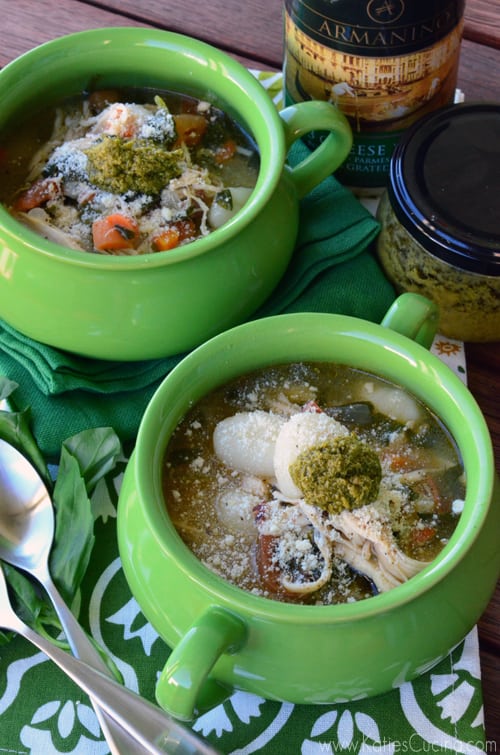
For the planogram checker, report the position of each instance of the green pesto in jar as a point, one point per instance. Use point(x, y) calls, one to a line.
point(440, 218)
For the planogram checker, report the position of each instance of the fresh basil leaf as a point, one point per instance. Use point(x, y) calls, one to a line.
point(74, 531)
point(15, 428)
point(28, 603)
point(97, 451)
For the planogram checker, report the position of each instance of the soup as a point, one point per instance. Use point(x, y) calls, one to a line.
point(127, 171)
point(314, 483)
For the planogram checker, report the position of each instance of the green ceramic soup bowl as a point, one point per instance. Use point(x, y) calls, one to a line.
point(225, 638)
point(159, 304)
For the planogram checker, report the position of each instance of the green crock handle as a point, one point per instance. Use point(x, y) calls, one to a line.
point(413, 316)
point(316, 115)
point(185, 689)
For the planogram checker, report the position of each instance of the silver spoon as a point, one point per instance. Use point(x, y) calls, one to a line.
point(26, 535)
point(157, 732)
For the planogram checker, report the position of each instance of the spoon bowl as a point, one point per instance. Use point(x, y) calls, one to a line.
point(26, 512)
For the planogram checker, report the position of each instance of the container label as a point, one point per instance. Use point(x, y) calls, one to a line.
point(369, 159)
point(384, 63)
point(376, 27)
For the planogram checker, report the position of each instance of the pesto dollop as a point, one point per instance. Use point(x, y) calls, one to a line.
point(340, 473)
point(119, 165)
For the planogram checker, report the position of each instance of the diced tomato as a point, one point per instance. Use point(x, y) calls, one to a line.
point(37, 194)
point(190, 128)
point(312, 407)
point(422, 535)
point(267, 566)
point(266, 563)
point(189, 106)
point(266, 553)
point(115, 232)
point(402, 462)
point(225, 151)
point(120, 120)
point(175, 234)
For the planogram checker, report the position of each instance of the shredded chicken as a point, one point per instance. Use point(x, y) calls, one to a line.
point(308, 537)
point(36, 222)
point(367, 544)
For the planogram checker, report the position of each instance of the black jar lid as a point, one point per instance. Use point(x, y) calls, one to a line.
point(444, 185)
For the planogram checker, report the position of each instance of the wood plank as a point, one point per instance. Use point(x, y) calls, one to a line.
point(34, 23)
point(264, 21)
point(483, 371)
point(479, 72)
point(488, 625)
point(482, 22)
point(490, 674)
point(483, 374)
point(258, 33)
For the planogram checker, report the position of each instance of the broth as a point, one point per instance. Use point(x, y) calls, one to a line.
point(127, 171)
point(314, 483)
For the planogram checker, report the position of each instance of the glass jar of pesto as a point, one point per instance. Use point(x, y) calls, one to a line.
point(440, 218)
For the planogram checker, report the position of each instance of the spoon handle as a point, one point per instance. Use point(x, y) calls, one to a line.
point(157, 732)
point(118, 740)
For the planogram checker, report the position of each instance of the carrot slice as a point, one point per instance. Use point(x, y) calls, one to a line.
point(174, 235)
point(422, 535)
point(115, 232)
point(166, 240)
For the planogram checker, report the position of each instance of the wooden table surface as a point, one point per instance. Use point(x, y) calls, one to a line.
point(252, 33)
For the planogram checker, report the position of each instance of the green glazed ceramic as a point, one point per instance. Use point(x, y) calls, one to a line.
point(155, 305)
point(224, 638)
